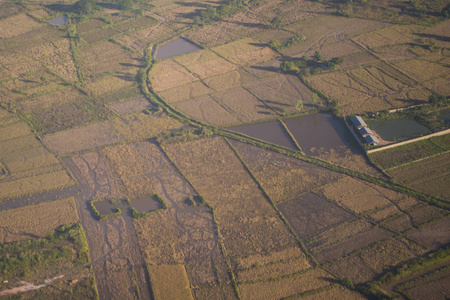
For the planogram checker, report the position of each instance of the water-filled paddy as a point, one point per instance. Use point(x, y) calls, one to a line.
point(320, 131)
point(175, 48)
point(106, 207)
point(58, 21)
point(145, 205)
point(391, 130)
point(444, 115)
point(272, 132)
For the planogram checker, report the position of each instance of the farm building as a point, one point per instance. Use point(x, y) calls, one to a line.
point(358, 122)
point(365, 131)
point(371, 140)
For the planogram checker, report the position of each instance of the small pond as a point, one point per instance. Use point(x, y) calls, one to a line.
point(145, 205)
point(175, 48)
point(106, 207)
point(58, 21)
point(392, 130)
point(320, 131)
point(272, 132)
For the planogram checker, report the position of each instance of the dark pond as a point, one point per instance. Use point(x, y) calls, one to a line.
point(320, 131)
point(145, 205)
point(58, 21)
point(106, 207)
point(444, 115)
point(392, 130)
point(272, 132)
point(175, 48)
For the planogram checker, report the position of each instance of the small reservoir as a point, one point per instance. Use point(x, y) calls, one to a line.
point(392, 130)
point(175, 48)
point(59, 21)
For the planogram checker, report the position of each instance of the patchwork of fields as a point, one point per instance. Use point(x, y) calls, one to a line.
point(225, 172)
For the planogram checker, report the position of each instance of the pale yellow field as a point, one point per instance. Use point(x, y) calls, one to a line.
point(35, 184)
point(169, 74)
point(129, 127)
point(394, 34)
point(14, 131)
point(112, 83)
point(28, 159)
point(169, 282)
point(422, 70)
point(185, 92)
point(17, 25)
point(230, 80)
point(59, 97)
point(36, 220)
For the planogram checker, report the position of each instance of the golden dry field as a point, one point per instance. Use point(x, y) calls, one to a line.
point(257, 203)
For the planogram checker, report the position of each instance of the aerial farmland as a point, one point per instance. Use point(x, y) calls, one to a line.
point(235, 149)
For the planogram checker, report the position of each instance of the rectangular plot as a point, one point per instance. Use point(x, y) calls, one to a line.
point(141, 22)
point(244, 105)
point(185, 92)
point(19, 143)
point(14, 131)
point(434, 235)
point(169, 74)
point(290, 286)
point(36, 220)
point(28, 159)
point(229, 80)
point(246, 52)
point(248, 223)
point(207, 110)
point(99, 35)
point(56, 98)
point(169, 282)
point(31, 185)
point(129, 106)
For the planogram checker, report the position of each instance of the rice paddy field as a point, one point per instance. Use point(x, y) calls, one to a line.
point(128, 171)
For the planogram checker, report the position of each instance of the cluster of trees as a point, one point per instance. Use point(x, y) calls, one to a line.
point(87, 7)
point(277, 45)
point(306, 66)
point(216, 13)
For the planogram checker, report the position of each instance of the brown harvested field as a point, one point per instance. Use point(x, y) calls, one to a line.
point(156, 34)
point(169, 74)
point(92, 24)
point(422, 70)
point(244, 105)
point(338, 292)
point(436, 286)
point(99, 35)
point(356, 195)
point(112, 83)
point(247, 222)
point(19, 143)
point(375, 260)
point(186, 235)
point(229, 80)
point(245, 52)
point(132, 25)
point(29, 81)
point(60, 47)
point(24, 160)
point(439, 30)
point(65, 69)
point(281, 92)
point(283, 177)
point(205, 63)
point(309, 281)
point(185, 92)
point(169, 282)
point(273, 270)
point(36, 220)
point(439, 85)
point(17, 25)
point(63, 96)
point(35, 184)
point(208, 110)
point(129, 106)
point(343, 239)
point(13, 131)
point(309, 213)
point(434, 235)
point(429, 175)
point(394, 34)
point(367, 89)
point(273, 34)
point(107, 57)
point(258, 260)
point(130, 127)
point(16, 64)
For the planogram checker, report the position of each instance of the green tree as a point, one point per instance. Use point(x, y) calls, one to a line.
point(317, 56)
point(276, 22)
point(299, 105)
point(84, 7)
point(314, 98)
point(275, 44)
point(125, 4)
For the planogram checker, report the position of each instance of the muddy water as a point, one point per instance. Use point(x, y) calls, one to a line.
point(391, 130)
point(106, 207)
point(444, 115)
point(145, 205)
point(320, 131)
point(58, 21)
point(272, 132)
point(175, 48)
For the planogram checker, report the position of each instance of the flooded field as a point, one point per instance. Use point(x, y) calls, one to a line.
point(145, 205)
point(391, 130)
point(175, 48)
point(319, 131)
point(272, 132)
point(107, 207)
point(58, 21)
point(444, 115)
